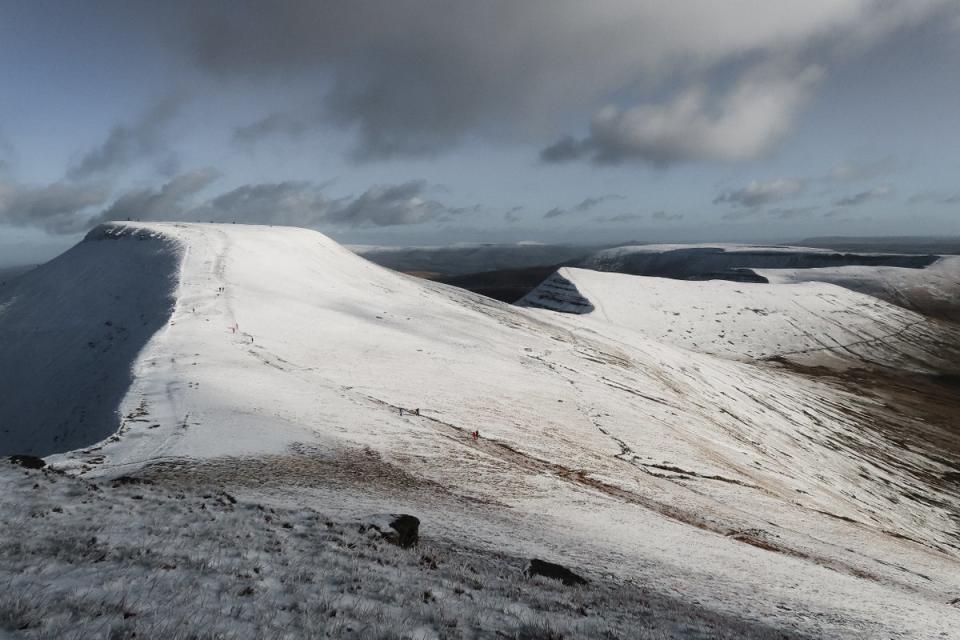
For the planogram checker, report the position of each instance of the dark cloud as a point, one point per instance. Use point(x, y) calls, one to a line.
point(70, 207)
point(513, 214)
point(412, 77)
point(127, 143)
point(623, 217)
point(877, 193)
point(295, 203)
point(758, 194)
point(55, 208)
point(383, 206)
point(167, 202)
point(589, 203)
point(300, 203)
point(583, 206)
point(566, 149)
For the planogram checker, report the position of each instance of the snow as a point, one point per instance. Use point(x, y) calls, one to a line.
point(759, 494)
point(811, 323)
point(70, 330)
point(934, 290)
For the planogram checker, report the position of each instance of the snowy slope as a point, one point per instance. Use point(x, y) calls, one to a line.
point(283, 367)
point(69, 332)
point(811, 323)
point(934, 290)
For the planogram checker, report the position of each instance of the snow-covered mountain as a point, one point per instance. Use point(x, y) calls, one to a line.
point(927, 284)
point(274, 362)
point(809, 323)
point(933, 290)
point(702, 261)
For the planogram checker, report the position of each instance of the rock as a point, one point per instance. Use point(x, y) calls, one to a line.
point(554, 572)
point(30, 462)
point(120, 481)
point(400, 529)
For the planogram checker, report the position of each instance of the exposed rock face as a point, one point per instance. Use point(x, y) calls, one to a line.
point(400, 529)
point(30, 462)
point(554, 572)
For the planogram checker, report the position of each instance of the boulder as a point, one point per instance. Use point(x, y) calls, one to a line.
point(554, 572)
point(30, 462)
point(400, 529)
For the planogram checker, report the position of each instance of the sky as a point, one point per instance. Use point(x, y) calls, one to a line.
point(422, 122)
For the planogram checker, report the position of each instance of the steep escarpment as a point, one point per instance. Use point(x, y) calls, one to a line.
point(70, 332)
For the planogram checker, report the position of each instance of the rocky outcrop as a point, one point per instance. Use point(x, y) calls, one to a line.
point(400, 529)
point(554, 572)
point(30, 462)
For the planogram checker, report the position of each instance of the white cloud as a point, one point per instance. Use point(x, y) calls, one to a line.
point(746, 122)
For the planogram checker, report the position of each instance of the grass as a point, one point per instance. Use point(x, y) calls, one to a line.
point(83, 560)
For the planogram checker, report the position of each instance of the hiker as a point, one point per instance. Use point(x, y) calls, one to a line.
point(416, 412)
point(475, 435)
point(401, 411)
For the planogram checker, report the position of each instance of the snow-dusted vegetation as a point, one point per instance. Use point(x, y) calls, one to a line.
point(137, 559)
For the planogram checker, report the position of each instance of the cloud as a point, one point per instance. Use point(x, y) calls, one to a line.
point(853, 172)
point(589, 203)
point(667, 217)
point(743, 214)
point(295, 203)
point(513, 214)
point(167, 202)
point(127, 143)
point(7, 153)
point(777, 213)
point(744, 124)
point(415, 77)
point(623, 217)
point(382, 206)
point(877, 193)
point(70, 207)
point(757, 194)
point(583, 206)
point(55, 207)
point(273, 124)
point(565, 149)
point(791, 213)
point(934, 197)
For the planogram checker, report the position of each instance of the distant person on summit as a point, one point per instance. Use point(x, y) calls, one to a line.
point(475, 435)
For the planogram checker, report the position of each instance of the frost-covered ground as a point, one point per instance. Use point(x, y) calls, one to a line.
point(287, 373)
point(84, 560)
